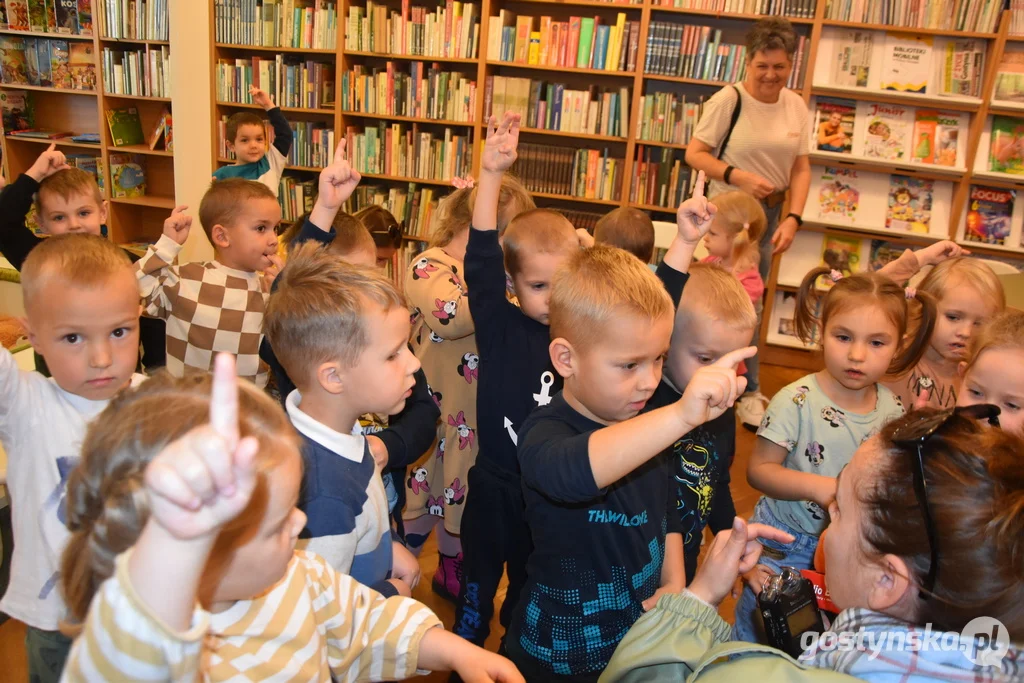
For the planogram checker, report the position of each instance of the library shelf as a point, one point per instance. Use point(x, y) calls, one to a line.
point(560, 69)
point(581, 200)
point(567, 134)
point(657, 143)
point(144, 98)
point(997, 178)
point(135, 41)
point(776, 339)
point(151, 200)
point(141, 149)
point(410, 58)
point(685, 79)
point(44, 34)
point(287, 167)
point(405, 179)
point(888, 235)
point(408, 119)
point(582, 3)
point(933, 171)
point(294, 110)
point(43, 88)
point(725, 15)
point(953, 102)
point(911, 30)
point(61, 142)
point(993, 248)
point(651, 207)
point(787, 287)
point(271, 48)
point(1006, 108)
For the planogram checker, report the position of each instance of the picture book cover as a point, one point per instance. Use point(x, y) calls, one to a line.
point(127, 176)
point(82, 66)
point(907, 63)
point(16, 106)
point(3, 17)
point(783, 314)
point(37, 15)
point(159, 128)
point(835, 119)
point(60, 69)
point(839, 253)
point(887, 130)
point(787, 309)
point(883, 253)
point(937, 137)
point(31, 61)
point(12, 57)
point(1006, 150)
point(989, 213)
point(17, 15)
point(910, 204)
point(839, 196)
point(45, 65)
point(125, 126)
point(852, 59)
point(1010, 75)
point(65, 14)
point(85, 17)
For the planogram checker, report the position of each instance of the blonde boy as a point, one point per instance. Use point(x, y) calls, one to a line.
point(82, 316)
point(215, 306)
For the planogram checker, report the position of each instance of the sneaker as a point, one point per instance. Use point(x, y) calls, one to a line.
point(448, 577)
point(750, 409)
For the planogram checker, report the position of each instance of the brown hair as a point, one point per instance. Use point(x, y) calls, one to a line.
point(350, 235)
point(376, 218)
point(771, 33)
point(860, 289)
point(627, 228)
point(544, 231)
point(79, 259)
point(962, 269)
point(1005, 331)
point(68, 183)
point(236, 121)
point(107, 505)
point(743, 218)
point(225, 198)
point(287, 234)
point(317, 313)
point(598, 285)
point(975, 495)
point(716, 293)
point(455, 211)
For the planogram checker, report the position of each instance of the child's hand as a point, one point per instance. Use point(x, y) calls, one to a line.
point(501, 144)
point(338, 181)
point(261, 98)
point(714, 388)
point(404, 565)
point(271, 273)
point(481, 666)
point(696, 214)
point(756, 577)
point(650, 602)
point(206, 478)
point(178, 224)
point(48, 163)
point(378, 450)
point(823, 491)
point(585, 238)
point(934, 254)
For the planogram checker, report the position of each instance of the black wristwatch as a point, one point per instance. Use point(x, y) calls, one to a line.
point(799, 220)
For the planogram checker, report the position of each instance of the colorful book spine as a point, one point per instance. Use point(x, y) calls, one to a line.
point(450, 30)
point(571, 172)
point(137, 72)
point(421, 92)
point(398, 149)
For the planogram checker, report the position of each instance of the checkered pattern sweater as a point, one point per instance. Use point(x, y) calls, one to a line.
point(208, 307)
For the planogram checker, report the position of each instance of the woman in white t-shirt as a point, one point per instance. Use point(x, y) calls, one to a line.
point(765, 155)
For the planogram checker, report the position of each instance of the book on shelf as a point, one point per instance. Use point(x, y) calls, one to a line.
point(668, 117)
point(127, 175)
point(962, 67)
point(909, 204)
point(782, 324)
point(295, 197)
point(580, 42)
point(937, 137)
point(18, 110)
point(572, 172)
point(82, 66)
point(65, 14)
point(125, 127)
point(17, 15)
point(41, 15)
point(883, 130)
point(313, 144)
point(834, 124)
point(41, 134)
point(989, 214)
point(842, 195)
point(583, 220)
point(60, 64)
point(12, 61)
point(800, 9)
point(136, 19)
point(404, 150)
point(289, 81)
point(89, 163)
point(160, 129)
point(412, 205)
point(841, 254)
point(1010, 75)
point(553, 106)
point(851, 59)
point(906, 63)
point(660, 178)
point(90, 138)
point(145, 72)
point(883, 253)
point(418, 90)
point(277, 23)
point(979, 16)
point(1006, 150)
point(449, 30)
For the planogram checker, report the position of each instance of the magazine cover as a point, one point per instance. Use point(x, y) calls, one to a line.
point(834, 125)
point(65, 14)
point(839, 195)
point(907, 63)
point(936, 137)
point(883, 253)
point(1006, 151)
point(852, 59)
point(887, 130)
point(17, 15)
point(910, 204)
point(989, 212)
point(82, 66)
point(840, 253)
point(1010, 75)
point(85, 17)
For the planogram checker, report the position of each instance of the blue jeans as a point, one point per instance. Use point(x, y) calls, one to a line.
point(752, 363)
point(770, 227)
point(799, 554)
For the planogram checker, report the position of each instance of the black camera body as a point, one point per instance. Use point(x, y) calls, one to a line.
point(789, 609)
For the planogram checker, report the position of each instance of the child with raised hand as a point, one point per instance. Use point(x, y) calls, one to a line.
point(813, 426)
point(515, 375)
point(247, 138)
point(210, 511)
point(994, 371)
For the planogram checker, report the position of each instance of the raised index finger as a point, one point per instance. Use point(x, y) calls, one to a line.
point(733, 358)
point(339, 152)
point(224, 399)
point(698, 187)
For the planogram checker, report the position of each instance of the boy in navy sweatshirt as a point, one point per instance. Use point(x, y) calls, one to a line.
point(247, 138)
point(599, 500)
point(515, 376)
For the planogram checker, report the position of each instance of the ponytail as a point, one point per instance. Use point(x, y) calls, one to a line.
point(911, 349)
point(806, 318)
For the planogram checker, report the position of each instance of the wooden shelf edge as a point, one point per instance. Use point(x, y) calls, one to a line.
point(580, 200)
point(408, 119)
point(566, 69)
point(294, 110)
point(274, 48)
point(567, 134)
point(410, 58)
point(139, 149)
point(149, 200)
point(40, 88)
point(145, 98)
point(45, 34)
point(729, 15)
point(61, 142)
point(404, 179)
point(909, 30)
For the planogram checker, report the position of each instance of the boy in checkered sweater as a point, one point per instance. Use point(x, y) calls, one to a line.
point(216, 305)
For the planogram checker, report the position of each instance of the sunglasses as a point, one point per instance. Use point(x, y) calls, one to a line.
point(915, 433)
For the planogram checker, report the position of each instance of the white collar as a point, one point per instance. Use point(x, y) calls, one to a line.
point(349, 446)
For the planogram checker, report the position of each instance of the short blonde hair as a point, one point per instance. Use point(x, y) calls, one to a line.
point(350, 236)
point(224, 200)
point(542, 231)
point(597, 286)
point(80, 260)
point(455, 211)
point(627, 228)
point(1005, 331)
point(317, 313)
point(964, 269)
point(71, 182)
point(743, 218)
point(715, 293)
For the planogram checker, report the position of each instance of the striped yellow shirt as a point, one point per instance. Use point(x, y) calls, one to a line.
point(314, 624)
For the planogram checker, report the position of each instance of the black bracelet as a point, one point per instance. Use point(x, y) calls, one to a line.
point(799, 220)
point(728, 172)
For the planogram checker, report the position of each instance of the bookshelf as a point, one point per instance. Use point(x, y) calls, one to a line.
point(108, 32)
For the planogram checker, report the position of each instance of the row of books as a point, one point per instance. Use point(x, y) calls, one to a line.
point(581, 42)
point(660, 178)
point(451, 30)
point(949, 15)
point(145, 72)
point(397, 149)
point(890, 132)
point(553, 106)
point(69, 17)
point(413, 205)
point(1016, 18)
point(571, 172)
point(313, 142)
point(422, 90)
point(582, 220)
point(668, 117)
point(295, 197)
point(803, 9)
point(70, 65)
point(290, 83)
point(135, 19)
point(277, 23)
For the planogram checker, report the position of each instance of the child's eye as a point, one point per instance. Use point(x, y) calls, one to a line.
point(120, 333)
point(843, 337)
point(878, 344)
point(974, 392)
point(952, 318)
point(72, 338)
point(261, 228)
point(629, 366)
point(538, 286)
point(1012, 408)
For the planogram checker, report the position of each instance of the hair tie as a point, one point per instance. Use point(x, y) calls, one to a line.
point(835, 275)
point(910, 292)
point(463, 183)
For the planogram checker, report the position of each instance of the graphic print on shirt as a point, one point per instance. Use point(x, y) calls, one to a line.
point(466, 433)
point(435, 395)
point(418, 480)
point(469, 367)
point(817, 512)
point(422, 269)
point(455, 494)
point(543, 398)
point(815, 453)
point(693, 474)
point(55, 508)
point(444, 311)
point(507, 424)
point(439, 453)
point(435, 337)
point(800, 397)
point(435, 506)
point(456, 280)
point(833, 416)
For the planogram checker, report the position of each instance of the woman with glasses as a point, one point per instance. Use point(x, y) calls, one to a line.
point(926, 532)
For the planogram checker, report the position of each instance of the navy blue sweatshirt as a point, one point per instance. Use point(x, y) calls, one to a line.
point(516, 374)
point(598, 553)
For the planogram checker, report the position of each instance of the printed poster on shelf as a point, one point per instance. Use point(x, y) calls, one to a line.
point(906, 63)
point(910, 204)
point(989, 214)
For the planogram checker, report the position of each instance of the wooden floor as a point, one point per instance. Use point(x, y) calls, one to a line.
point(773, 378)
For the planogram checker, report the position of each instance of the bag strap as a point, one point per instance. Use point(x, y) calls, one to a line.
point(732, 121)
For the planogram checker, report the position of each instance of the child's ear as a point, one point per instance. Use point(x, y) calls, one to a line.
point(104, 210)
point(219, 236)
point(563, 357)
point(29, 334)
point(330, 377)
point(231, 145)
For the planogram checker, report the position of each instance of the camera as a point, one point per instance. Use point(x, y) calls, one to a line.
point(789, 609)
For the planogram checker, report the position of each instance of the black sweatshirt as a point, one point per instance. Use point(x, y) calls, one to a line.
point(516, 374)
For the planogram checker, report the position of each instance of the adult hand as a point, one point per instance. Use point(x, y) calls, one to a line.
point(783, 237)
point(751, 183)
point(733, 552)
